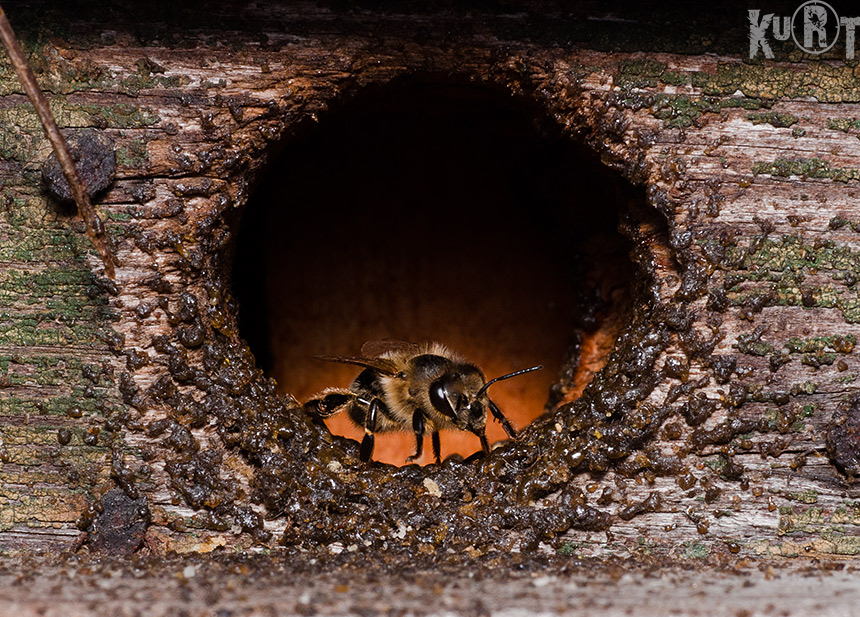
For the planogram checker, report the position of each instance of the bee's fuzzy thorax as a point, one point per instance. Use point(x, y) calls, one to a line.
point(404, 396)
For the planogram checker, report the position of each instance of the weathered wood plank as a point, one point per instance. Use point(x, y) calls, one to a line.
point(156, 364)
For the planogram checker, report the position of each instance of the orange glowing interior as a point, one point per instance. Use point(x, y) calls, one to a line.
point(433, 212)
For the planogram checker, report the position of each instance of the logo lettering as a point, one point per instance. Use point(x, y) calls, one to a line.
point(815, 28)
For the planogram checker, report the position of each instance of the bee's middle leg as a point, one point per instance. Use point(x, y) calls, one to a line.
point(369, 430)
point(418, 428)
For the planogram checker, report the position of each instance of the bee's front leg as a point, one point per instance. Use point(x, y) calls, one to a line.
point(485, 446)
point(498, 415)
point(369, 430)
point(418, 428)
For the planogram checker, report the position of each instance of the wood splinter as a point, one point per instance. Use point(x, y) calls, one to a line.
point(95, 227)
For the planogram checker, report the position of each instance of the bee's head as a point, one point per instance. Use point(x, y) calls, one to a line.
point(456, 395)
point(461, 395)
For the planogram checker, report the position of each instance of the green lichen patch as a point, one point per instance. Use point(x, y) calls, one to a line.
point(759, 84)
point(64, 76)
point(61, 306)
point(753, 345)
point(68, 406)
point(51, 307)
point(828, 83)
point(846, 125)
point(20, 508)
point(806, 168)
point(837, 543)
point(832, 531)
point(786, 419)
point(773, 118)
point(21, 134)
point(794, 519)
point(137, 82)
point(119, 116)
point(40, 245)
point(568, 549)
point(639, 73)
point(22, 138)
point(676, 110)
point(37, 329)
point(847, 514)
point(133, 154)
point(38, 369)
point(673, 78)
point(807, 496)
point(695, 550)
point(838, 344)
point(821, 350)
point(779, 267)
point(680, 111)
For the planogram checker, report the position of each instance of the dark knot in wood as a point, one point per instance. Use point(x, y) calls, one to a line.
point(843, 437)
point(95, 160)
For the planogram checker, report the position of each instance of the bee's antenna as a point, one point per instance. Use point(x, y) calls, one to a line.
point(508, 376)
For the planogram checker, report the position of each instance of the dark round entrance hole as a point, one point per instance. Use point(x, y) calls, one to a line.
point(436, 211)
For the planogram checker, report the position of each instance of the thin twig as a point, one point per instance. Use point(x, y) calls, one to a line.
point(95, 227)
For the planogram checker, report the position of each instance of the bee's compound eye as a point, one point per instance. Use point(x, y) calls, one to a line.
point(439, 398)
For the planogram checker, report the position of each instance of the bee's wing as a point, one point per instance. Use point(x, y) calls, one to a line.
point(383, 365)
point(374, 349)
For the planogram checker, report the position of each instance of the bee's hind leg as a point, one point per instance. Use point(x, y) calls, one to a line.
point(335, 400)
point(328, 402)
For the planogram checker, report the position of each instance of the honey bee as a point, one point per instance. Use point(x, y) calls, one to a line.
point(406, 386)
